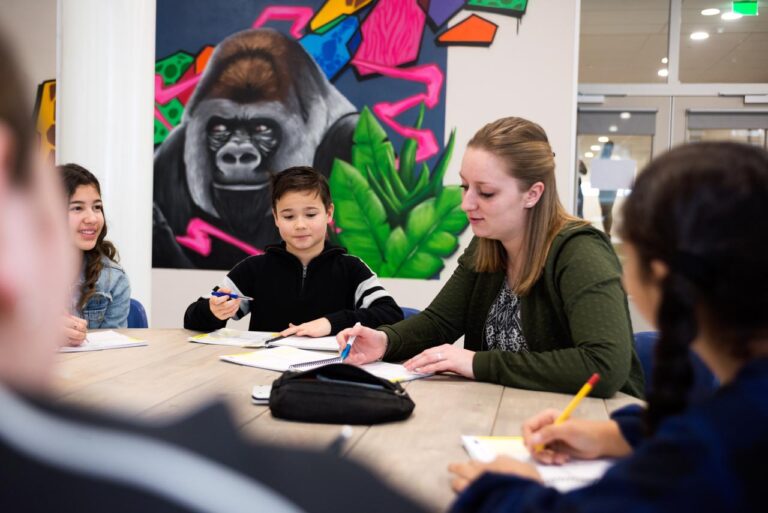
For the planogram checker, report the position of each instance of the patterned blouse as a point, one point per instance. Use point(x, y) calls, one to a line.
point(503, 327)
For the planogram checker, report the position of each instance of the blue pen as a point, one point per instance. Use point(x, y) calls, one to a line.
point(232, 295)
point(351, 341)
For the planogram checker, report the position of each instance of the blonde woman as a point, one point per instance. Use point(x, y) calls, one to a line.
point(537, 295)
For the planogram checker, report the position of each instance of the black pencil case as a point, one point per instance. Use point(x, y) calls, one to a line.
point(338, 394)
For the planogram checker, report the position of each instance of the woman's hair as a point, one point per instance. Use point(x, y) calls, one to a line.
point(74, 176)
point(13, 113)
point(701, 210)
point(524, 148)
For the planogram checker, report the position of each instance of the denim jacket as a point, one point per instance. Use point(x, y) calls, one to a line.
point(109, 305)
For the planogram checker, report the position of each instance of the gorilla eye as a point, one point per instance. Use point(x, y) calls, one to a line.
point(260, 129)
point(219, 128)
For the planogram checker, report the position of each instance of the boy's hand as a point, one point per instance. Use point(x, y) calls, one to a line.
point(223, 307)
point(317, 328)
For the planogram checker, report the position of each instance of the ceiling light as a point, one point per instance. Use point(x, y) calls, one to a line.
point(596, 147)
point(625, 115)
point(663, 72)
point(710, 12)
point(603, 139)
point(729, 16)
point(699, 36)
point(613, 128)
point(664, 60)
point(589, 154)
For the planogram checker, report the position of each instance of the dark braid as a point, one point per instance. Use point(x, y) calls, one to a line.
point(673, 374)
point(73, 177)
point(701, 210)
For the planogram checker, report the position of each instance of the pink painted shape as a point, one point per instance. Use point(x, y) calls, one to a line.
point(197, 238)
point(391, 34)
point(159, 116)
point(429, 74)
point(299, 15)
point(165, 94)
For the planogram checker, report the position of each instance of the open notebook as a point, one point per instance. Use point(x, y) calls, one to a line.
point(239, 338)
point(571, 475)
point(284, 358)
point(100, 340)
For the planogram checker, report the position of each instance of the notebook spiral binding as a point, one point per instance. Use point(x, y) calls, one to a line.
point(315, 363)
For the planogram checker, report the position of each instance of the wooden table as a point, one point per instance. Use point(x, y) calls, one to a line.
point(171, 375)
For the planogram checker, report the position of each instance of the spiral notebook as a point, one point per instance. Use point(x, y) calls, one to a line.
point(569, 476)
point(285, 358)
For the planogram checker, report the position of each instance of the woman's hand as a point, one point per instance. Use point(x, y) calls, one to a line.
point(577, 438)
point(444, 358)
point(223, 307)
point(317, 328)
point(369, 346)
point(75, 330)
point(468, 472)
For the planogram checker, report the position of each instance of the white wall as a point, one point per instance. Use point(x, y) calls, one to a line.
point(30, 26)
point(531, 74)
point(104, 114)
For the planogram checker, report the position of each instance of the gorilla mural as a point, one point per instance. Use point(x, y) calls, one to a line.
point(262, 105)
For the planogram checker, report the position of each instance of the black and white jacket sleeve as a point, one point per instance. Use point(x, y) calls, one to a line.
point(373, 306)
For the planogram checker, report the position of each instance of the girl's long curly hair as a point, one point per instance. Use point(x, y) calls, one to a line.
point(74, 176)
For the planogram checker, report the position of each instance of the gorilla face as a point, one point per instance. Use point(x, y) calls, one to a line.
point(231, 148)
point(240, 149)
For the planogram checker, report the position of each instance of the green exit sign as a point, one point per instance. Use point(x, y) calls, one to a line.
point(746, 7)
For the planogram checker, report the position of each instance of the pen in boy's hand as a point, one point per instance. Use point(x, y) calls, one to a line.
point(232, 295)
point(350, 341)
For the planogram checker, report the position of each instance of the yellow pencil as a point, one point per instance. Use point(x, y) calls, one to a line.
point(585, 390)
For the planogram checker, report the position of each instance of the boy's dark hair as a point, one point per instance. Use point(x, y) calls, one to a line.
point(300, 178)
point(700, 209)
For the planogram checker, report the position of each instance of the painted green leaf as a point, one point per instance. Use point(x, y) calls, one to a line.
point(408, 154)
point(429, 235)
point(359, 214)
point(369, 136)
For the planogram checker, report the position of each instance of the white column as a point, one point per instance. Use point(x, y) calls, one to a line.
point(104, 117)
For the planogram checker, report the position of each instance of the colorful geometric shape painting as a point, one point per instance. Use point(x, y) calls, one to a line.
point(514, 8)
point(171, 68)
point(440, 11)
point(335, 8)
point(333, 49)
point(473, 31)
point(391, 34)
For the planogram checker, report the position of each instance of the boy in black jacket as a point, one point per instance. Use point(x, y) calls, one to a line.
point(303, 286)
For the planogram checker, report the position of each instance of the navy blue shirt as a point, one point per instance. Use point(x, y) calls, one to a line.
point(710, 458)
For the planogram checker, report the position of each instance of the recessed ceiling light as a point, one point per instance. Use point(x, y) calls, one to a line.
point(589, 154)
point(613, 128)
point(699, 36)
point(596, 147)
point(664, 60)
point(710, 12)
point(729, 16)
point(603, 139)
point(663, 72)
point(625, 115)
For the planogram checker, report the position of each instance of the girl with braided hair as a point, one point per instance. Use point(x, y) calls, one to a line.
point(696, 245)
point(102, 296)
